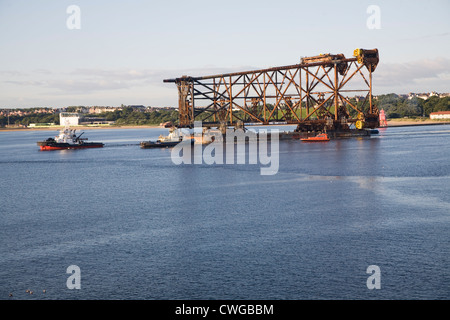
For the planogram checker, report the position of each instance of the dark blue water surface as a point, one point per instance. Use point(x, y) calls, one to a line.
point(141, 227)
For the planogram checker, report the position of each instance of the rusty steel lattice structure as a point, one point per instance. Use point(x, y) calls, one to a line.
point(314, 94)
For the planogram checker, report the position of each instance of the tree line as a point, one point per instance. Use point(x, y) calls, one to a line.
point(126, 116)
point(394, 105)
point(130, 116)
point(397, 106)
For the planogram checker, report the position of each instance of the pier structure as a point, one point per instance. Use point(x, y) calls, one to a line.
point(314, 94)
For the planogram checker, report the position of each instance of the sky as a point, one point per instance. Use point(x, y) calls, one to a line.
point(123, 50)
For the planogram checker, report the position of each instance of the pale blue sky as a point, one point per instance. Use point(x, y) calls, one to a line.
point(125, 49)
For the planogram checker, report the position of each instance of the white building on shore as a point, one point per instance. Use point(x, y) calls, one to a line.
point(426, 96)
point(69, 119)
point(440, 115)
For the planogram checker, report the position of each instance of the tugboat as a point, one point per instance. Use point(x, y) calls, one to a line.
point(171, 140)
point(322, 137)
point(67, 139)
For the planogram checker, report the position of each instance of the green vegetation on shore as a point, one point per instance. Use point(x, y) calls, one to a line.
point(394, 105)
point(25, 120)
point(126, 116)
point(398, 107)
point(129, 116)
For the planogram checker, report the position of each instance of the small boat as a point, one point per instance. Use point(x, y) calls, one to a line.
point(169, 141)
point(67, 139)
point(158, 144)
point(319, 138)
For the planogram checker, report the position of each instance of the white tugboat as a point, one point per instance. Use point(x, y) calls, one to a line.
point(67, 139)
point(171, 140)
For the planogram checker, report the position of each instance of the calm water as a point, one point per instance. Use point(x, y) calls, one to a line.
point(141, 227)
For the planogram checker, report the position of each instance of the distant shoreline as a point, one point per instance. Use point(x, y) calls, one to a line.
point(412, 123)
point(391, 123)
point(57, 128)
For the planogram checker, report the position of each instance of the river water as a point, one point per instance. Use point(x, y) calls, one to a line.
point(139, 226)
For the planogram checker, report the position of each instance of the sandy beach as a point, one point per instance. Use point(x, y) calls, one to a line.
point(411, 122)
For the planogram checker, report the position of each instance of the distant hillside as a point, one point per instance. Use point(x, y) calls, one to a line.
point(123, 116)
point(398, 107)
point(395, 106)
